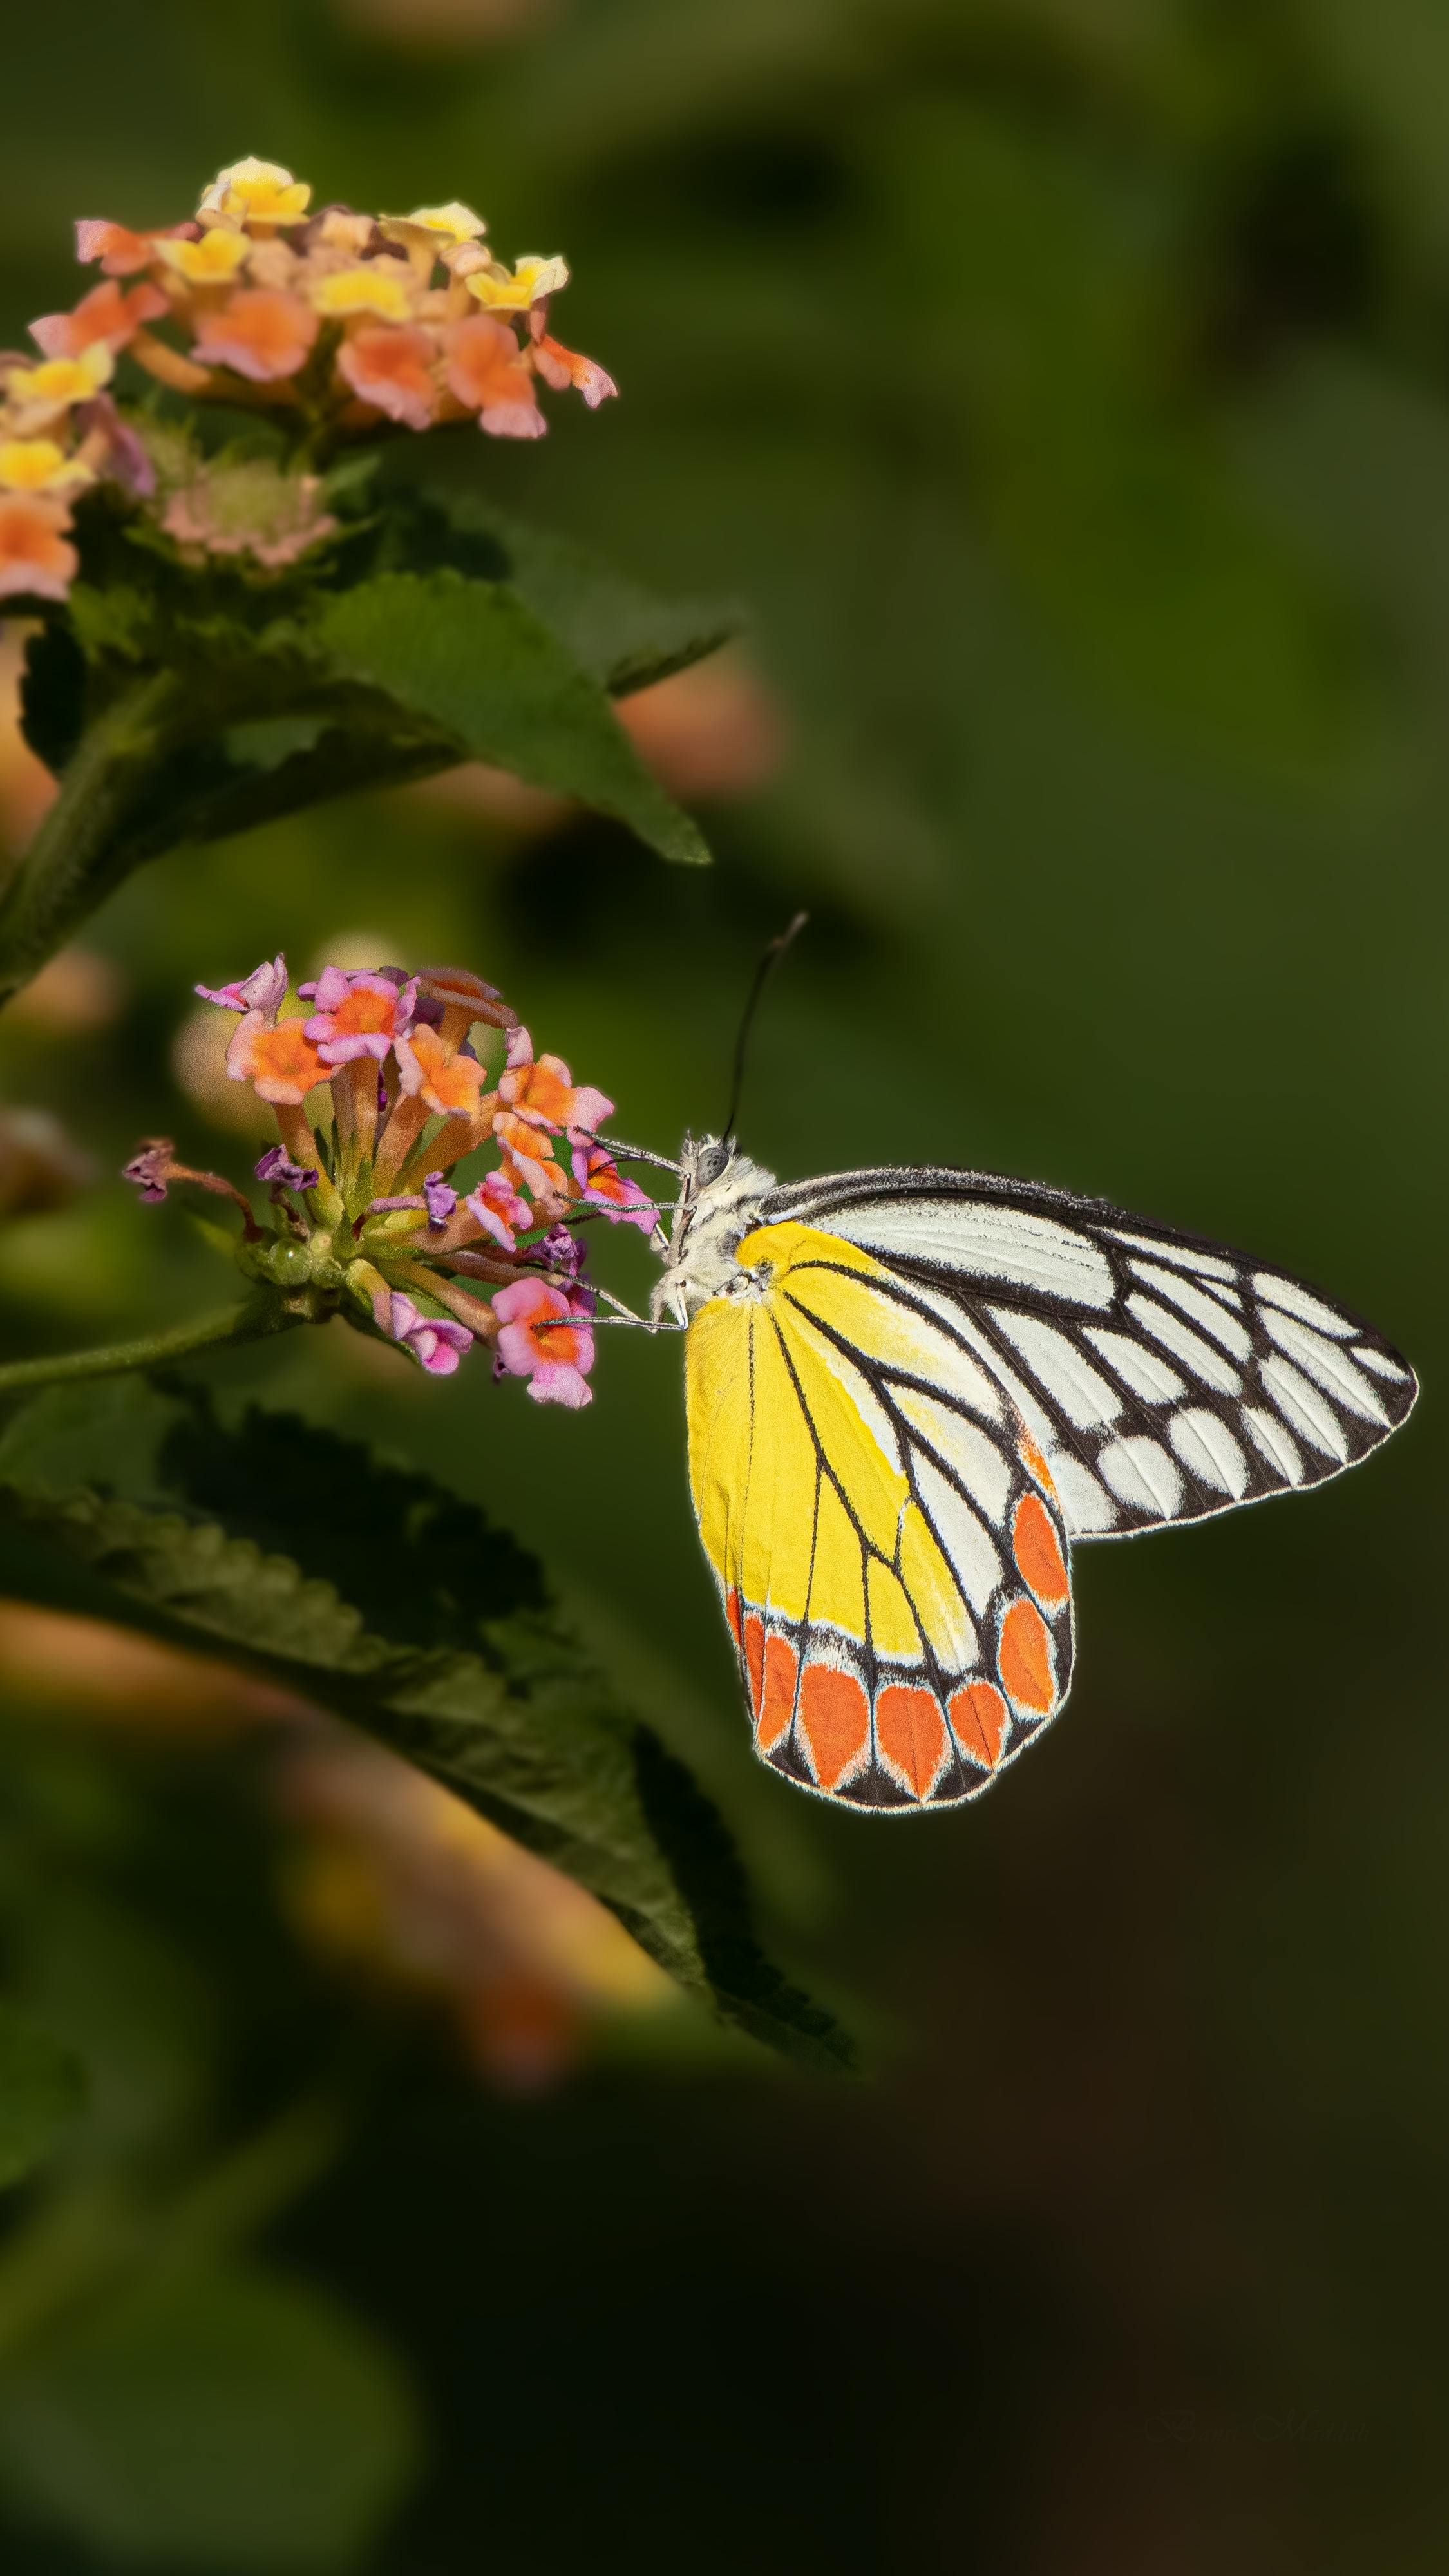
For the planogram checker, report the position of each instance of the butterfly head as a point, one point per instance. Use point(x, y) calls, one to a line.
point(720, 1196)
point(708, 1161)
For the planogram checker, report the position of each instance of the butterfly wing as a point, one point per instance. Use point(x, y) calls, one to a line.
point(887, 1537)
point(1163, 1378)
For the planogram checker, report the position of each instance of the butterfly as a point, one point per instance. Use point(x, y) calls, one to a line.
point(910, 1392)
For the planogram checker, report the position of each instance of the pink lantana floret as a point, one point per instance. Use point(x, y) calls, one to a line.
point(264, 990)
point(357, 1015)
point(439, 1346)
point(120, 251)
point(499, 1209)
point(527, 1161)
point(152, 1169)
point(559, 367)
point(278, 1170)
point(604, 1186)
point(545, 1339)
point(439, 1198)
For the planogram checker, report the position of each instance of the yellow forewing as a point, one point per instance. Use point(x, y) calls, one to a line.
point(933, 1588)
point(838, 1283)
point(771, 1396)
point(717, 1396)
point(865, 1532)
point(850, 1425)
point(779, 1522)
point(893, 1630)
point(837, 1583)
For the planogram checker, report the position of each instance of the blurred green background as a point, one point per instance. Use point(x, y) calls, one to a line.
point(1063, 385)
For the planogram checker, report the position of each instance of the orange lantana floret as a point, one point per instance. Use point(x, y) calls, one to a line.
point(486, 374)
point(390, 365)
point(120, 251)
point(35, 560)
point(262, 332)
point(542, 1091)
point(444, 1080)
point(110, 313)
point(281, 1063)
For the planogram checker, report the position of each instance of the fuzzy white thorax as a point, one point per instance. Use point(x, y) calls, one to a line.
point(712, 1217)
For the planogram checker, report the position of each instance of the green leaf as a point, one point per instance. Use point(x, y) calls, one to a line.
point(208, 792)
point(469, 658)
point(154, 1512)
point(230, 2418)
point(41, 2090)
point(625, 637)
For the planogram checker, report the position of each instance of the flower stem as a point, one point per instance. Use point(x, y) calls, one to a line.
point(79, 851)
point(249, 1322)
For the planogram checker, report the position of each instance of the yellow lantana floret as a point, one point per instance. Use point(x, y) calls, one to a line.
point(212, 261)
point(38, 465)
point(381, 288)
point(442, 225)
point(500, 291)
point(255, 192)
point(58, 382)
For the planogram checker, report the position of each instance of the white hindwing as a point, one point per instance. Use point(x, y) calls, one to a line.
point(1162, 1378)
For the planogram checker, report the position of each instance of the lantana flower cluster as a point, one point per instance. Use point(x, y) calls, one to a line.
point(379, 1096)
point(335, 320)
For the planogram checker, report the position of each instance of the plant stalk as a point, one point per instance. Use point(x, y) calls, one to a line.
point(78, 852)
point(251, 1321)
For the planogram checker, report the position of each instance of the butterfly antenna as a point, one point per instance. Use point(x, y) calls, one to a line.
point(628, 1153)
point(765, 969)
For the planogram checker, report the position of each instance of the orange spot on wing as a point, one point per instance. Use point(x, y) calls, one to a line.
point(911, 1733)
point(732, 1613)
point(1024, 1660)
point(978, 1715)
point(1037, 1551)
point(1034, 1463)
point(755, 1658)
point(834, 1720)
point(781, 1665)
